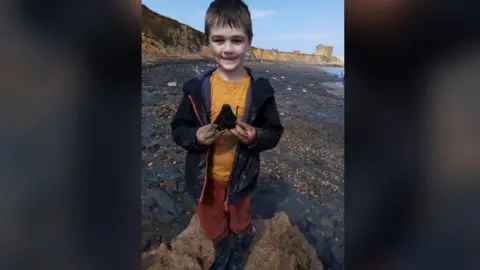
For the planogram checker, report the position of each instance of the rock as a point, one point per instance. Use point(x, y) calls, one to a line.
point(147, 131)
point(338, 252)
point(149, 177)
point(266, 198)
point(164, 207)
point(279, 245)
point(196, 70)
point(148, 100)
point(327, 227)
point(295, 207)
point(172, 84)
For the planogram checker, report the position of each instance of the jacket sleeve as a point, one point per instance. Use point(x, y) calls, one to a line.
point(184, 127)
point(268, 127)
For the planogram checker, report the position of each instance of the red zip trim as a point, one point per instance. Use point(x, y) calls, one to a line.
point(206, 155)
point(225, 203)
point(195, 110)
point(205, 177)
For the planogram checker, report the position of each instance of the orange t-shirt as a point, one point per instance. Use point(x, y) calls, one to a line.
point(233, 93)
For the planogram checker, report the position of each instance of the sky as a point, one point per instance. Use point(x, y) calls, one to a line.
point(285, 25)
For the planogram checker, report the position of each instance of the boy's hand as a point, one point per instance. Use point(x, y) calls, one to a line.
point(206, 135)
point(244, 132)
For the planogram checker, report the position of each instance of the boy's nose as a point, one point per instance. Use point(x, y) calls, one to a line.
point(228, 47)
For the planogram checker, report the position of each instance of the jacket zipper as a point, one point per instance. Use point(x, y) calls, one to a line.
point(205, 177)
point(225, 203)
point(230, 177)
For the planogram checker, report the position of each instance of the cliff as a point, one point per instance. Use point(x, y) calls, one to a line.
point(278, 246)
point(165, 37)
point(270, 55)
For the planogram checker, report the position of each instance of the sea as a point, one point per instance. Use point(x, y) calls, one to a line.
point(332, 70)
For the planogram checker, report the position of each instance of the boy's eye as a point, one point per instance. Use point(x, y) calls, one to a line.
point(221, 40)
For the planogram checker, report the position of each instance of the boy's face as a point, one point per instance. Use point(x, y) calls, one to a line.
point(229, 47)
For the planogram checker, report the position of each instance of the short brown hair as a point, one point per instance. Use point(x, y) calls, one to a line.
point(234, 13)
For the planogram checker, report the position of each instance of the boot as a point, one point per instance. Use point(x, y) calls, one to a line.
point(222, 254)
point(242, 245)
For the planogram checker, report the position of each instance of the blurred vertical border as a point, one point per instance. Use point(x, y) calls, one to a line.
point(411, 138)
point(70, 76)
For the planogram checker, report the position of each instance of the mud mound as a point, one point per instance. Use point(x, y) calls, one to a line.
point(279, 246)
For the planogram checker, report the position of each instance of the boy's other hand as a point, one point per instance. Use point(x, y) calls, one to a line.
point(244, 132)
point(206, 135)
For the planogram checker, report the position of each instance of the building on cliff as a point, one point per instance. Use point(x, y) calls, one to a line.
point(324, 50)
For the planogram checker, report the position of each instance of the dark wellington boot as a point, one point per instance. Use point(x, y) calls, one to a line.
point(240, 252)
point(222, 254)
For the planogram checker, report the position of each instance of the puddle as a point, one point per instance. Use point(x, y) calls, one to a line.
point(335, 88)
point(336, 71)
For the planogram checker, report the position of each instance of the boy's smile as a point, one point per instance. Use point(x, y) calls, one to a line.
point(229, 46)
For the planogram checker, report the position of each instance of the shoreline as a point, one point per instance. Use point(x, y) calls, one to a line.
point(198, 59)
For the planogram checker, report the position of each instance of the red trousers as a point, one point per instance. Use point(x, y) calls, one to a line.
point(216, 221)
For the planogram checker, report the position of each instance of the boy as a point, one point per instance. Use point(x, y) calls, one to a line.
point(222, 167)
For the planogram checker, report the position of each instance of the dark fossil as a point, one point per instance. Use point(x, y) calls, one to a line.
point(226, 119)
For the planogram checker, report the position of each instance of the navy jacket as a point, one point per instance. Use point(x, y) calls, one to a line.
point(194, 112)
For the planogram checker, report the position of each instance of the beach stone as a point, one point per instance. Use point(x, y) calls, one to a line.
point(165, 207)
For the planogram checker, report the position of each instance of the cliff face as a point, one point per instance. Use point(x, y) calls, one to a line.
point(271, 55)
point(165, 37)
point(162, 36)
